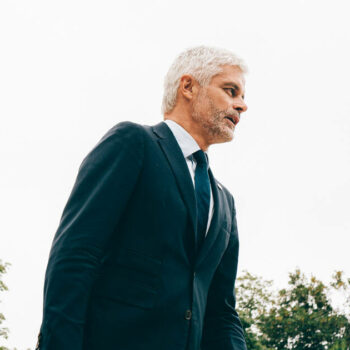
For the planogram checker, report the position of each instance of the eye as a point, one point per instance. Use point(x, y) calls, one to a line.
point(230, 91)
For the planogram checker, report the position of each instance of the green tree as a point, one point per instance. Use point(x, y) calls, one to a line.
point(340, 345)
point(254, 298)
point(298, 317)
point(3, 331)
point(302, 317)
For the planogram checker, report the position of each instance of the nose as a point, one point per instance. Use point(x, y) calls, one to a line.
point(239, 105)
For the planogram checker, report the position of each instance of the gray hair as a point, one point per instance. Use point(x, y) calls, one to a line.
point(202, 62)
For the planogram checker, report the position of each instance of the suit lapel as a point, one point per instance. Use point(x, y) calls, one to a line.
point(179, 168)
point(215, 225)
point(178, 165)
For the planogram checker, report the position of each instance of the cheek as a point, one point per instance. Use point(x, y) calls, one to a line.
point(221, 101)
point(225, 102)
point(205, 106)
point(219, 107)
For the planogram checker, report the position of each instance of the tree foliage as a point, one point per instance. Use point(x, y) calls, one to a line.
point(298, 317)
point(253, 299)
point(3, 330)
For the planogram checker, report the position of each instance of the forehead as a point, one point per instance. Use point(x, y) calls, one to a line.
point(229, 74)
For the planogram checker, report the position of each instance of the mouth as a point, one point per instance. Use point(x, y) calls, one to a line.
point(234, 119)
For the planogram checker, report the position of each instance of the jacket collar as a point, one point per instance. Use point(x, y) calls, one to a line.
point(178, 165)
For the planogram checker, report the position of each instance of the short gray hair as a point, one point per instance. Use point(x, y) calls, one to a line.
point(202, 62)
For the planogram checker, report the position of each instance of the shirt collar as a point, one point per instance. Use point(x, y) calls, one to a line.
point(186, 142)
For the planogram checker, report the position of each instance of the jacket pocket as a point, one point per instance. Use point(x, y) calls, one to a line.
point(133, 279)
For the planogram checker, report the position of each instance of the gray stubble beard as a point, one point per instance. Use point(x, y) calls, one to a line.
point(214, 127)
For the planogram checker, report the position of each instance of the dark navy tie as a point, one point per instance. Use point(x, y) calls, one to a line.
point(202, 189)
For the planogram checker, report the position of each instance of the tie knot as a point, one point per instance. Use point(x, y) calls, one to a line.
point(201, 158)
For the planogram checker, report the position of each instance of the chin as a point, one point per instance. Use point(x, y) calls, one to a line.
point(224, 137)
point(229, 138)
point(227, 135)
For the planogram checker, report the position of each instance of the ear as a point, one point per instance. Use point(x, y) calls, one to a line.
point(188, 87)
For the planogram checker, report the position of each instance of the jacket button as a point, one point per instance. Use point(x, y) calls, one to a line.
point(188, 315)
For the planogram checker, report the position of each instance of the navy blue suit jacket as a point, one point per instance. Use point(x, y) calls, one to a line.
point(124, 272)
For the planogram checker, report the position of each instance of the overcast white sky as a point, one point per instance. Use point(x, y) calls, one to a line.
point(70, 70)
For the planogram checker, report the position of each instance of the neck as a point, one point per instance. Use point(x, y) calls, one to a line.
point(185, 121)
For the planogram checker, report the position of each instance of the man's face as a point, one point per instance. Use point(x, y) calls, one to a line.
point(217, 107)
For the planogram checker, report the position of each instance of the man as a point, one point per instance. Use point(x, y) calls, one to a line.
point(145, 256)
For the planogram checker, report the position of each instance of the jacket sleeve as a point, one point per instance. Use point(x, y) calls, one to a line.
point(222, 327)
point(99, 197)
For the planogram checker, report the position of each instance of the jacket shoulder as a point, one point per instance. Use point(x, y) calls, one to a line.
point(125, 129)
point(125, 138)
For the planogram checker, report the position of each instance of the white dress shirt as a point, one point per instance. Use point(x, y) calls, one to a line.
point(188, 146)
